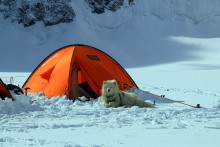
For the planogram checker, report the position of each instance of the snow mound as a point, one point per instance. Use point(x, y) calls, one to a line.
point(21, 104)
point(93, 113)
point(36, 114)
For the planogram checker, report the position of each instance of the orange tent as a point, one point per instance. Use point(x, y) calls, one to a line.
point(77, 70)
point(4, 91)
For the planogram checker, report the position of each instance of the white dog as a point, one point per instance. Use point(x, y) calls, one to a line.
point(113, 97)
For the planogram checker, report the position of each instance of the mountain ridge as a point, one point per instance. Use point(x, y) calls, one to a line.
point(145, 31)
point(52, 12)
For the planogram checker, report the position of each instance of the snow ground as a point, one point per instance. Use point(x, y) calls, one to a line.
point(175, 55)
point(59, 122)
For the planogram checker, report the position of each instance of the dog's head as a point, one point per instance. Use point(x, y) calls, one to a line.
point(110, 87)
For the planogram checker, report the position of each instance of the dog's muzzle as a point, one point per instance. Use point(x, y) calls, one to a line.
point(111, 99)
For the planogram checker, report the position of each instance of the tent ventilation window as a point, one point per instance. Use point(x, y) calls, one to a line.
point(93, 57)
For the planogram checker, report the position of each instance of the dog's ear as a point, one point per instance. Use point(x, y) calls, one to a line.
point(115, 82)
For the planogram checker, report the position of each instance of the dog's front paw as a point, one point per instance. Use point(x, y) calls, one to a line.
point(113, 104)
point(107, 105)
point(127, 106)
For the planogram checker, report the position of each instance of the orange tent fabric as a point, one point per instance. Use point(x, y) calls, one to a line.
point(4, 91)
point(77, 70)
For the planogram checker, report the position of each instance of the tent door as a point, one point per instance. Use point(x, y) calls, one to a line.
point(80, 86)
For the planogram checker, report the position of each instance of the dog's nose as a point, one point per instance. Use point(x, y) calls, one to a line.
point(108, 89)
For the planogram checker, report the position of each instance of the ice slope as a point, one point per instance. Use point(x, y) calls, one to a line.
point(142, 32)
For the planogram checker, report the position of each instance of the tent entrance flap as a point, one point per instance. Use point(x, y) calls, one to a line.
point(79, 85)
point(81, 78)
point(82, 82)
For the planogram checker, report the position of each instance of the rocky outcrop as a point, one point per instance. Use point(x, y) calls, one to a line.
point(28, 12)
point(51, 12)
point(100, 6)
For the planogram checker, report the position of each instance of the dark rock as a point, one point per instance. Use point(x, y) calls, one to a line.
point(24, 14)
point(58, 12)
point(100, 6)
point(39, 11)
point(28, 12)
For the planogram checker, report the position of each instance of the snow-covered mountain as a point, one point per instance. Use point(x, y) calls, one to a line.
point(52, 12)
point(28, 12)
point(169, 47)
point(134, 32)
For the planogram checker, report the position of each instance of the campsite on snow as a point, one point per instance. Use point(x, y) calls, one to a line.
point(90, 73)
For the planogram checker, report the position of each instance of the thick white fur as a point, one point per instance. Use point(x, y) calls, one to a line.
point(113, 97)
